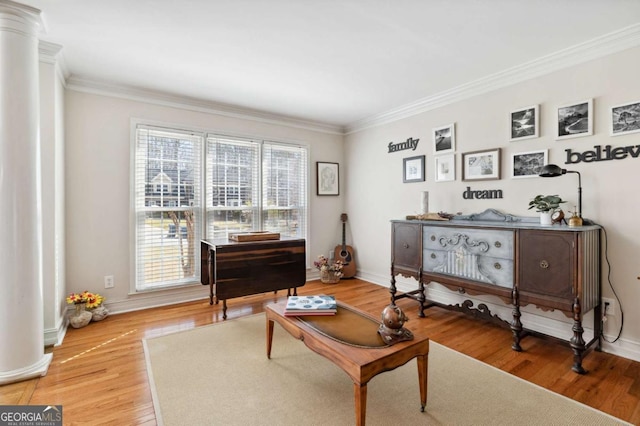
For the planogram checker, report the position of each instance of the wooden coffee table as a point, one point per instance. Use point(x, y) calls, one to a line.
point(350, 340)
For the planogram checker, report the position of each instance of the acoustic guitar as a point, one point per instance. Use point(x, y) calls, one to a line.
point(344, 253)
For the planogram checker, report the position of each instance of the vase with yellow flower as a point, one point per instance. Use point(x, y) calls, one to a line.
point(88, 307)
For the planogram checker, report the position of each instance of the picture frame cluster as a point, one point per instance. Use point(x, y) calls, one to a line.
point(573, 120)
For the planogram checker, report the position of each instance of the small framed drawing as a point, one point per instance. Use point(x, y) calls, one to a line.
point(528, 164)
point(524, 123)
point(575, 120)
point(328, 178)
point(481, 165)
point(444, 139)
point(625, 119)
point(445, 168)
point(413, 169)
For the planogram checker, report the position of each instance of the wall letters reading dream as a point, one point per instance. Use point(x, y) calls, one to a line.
point(484, 194)
point(602, 154)
point(411, 144)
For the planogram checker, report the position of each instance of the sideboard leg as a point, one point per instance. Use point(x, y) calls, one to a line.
point(224, 309)
point(577, 341)
point(516, 325)
point(421, 297)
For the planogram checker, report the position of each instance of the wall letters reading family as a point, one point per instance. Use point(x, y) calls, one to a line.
point(411, 144)
point(602, 154)
point(481, 195)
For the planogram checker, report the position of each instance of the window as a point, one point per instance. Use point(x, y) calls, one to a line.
point(248, 185)
point(167, 201)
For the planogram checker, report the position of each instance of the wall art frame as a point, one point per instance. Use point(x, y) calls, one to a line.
point(575, 120)
point(327, 178)
point(528, 164)
point(481, 165)
point(444, 139)
point(524, 123)
point(625, 119)
point(445, 168)
point(413, 169)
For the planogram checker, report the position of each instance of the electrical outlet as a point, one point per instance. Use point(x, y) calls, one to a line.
point(609, 306)
point(109, 282)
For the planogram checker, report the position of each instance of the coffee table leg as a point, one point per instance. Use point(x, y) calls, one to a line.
point(360, 391)
point(269, 337)
point(423, 370)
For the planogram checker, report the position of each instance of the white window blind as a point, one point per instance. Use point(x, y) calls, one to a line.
point(167, 188)
point(255, 186)
point(248, 185)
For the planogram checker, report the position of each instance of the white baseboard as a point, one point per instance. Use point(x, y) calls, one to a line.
point(554, 323)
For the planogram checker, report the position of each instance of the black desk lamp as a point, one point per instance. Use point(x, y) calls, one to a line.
point(551, 170)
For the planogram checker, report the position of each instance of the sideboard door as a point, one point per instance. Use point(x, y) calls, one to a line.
point(406, 250)
point(548, 269)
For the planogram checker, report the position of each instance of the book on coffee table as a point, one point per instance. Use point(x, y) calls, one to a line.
point(311, 305)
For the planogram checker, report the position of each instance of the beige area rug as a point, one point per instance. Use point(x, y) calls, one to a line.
point(220, 375)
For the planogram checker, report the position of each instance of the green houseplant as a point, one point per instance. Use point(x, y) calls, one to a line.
point(546, 203)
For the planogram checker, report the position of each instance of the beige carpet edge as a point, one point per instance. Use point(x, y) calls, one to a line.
point(157, 399)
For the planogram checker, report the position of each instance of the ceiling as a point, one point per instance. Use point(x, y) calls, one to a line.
point(334, 62)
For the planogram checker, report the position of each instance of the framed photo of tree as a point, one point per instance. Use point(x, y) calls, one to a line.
point(625, 119)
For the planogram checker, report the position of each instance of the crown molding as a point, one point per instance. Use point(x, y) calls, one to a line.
point(608, 44)
point(80, 84)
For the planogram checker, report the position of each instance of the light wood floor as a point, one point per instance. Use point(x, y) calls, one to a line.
point(99, 376)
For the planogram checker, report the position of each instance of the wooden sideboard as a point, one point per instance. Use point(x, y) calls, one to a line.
point(552, 267)
point(235, 269)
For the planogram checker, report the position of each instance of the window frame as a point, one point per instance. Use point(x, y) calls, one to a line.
point(204, 208)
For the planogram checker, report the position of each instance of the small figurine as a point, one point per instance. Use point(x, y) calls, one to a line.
point(391, 328)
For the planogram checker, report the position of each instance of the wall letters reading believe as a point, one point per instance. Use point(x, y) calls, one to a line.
point(600, 154)
point(481, 195)
point(411, 144)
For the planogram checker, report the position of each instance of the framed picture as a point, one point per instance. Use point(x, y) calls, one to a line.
point(328, 178)
point(444, 139)
point(528, 164)
point(481, 165)
point(625, 119)
point(413, 169)
point(445, 168)
point(524, 123)
point(575, 120)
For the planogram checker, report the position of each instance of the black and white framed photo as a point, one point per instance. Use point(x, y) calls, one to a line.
point(524, 123)
point(445, 168)
point(528, 164)
point(328, 178)
point(481, 165)
point(575, 120)
point(444, 139)
point(625, 119)
point(413, 169)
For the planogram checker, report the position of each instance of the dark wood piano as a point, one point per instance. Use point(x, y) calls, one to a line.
point(235, 269)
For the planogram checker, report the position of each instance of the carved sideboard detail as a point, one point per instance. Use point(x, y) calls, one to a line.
point(516, 259)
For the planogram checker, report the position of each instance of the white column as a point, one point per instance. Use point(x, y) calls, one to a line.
point(21, 305)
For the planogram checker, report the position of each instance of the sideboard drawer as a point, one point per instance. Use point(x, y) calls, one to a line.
point(483, 255)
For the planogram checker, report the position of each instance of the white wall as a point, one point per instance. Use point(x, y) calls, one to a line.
point(376, 193)
point(97, 189)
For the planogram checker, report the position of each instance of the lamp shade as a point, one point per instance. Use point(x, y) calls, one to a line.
point(551, 170)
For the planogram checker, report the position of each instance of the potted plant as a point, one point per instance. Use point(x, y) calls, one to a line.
point(546, 205)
